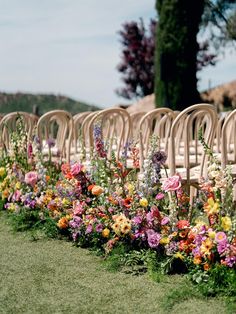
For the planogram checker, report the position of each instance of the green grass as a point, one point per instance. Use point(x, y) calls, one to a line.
point(52, 276)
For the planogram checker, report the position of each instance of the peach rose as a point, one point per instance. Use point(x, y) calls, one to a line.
point(97, 190)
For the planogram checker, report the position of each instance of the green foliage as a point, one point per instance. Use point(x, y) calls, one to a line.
point(30, 220)
point(218, 280)
point(176, 53)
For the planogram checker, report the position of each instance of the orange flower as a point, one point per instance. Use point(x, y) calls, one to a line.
point(63, 223)
point(197, 260)
point(90, 187)
point(183, 233)
point(206, 266)
point(47, 178)
point(97, 190)
point(5, 193)
point(112, 200)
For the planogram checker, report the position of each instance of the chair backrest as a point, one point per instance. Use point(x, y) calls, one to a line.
point(156, 122)
point(9, 123)
point(77, 136)
point(191, 120)
point(135, 119)
point(228, 139)
point(57, 125)
point(116, 126)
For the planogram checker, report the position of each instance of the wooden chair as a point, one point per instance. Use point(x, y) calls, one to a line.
point(56, 126)
point(77, 136)
point(192, 119)
point(9, 123)
point(135, 119)
point(156, 122)
point(115, 124)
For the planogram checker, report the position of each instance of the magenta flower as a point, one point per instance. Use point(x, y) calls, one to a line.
point(31, 178)
point(137, 220)
point(165, 221)
point(160, 196)
point(171, 184)
point(153, 238)
point(99, 228)
point(89, 229)
point(222, 247)
point(230, 261)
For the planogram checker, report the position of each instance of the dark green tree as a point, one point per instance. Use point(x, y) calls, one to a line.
point(176, 52)
point(179, 22)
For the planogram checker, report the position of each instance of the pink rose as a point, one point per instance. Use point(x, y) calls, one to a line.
point(171, 184)
point(76, 169)
point(31, 178)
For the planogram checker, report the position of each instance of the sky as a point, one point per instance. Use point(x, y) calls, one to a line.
point(72, 48)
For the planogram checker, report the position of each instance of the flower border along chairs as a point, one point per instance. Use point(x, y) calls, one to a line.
point(199, 115)
point(55, 130)
point(111, 126)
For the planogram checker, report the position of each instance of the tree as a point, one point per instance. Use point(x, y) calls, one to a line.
point(137, 65)
point(177, 47)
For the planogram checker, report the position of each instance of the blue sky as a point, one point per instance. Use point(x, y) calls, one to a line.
point(71, 47)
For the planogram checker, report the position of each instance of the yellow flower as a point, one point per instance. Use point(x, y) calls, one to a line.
point(105, 233)
point(2, 171)
point(179, 255)
point(116, 228)
point(226, 223)
point(211, 207)
point(212, 234)
point(125, 228)
point(143, 202)
point(165, 241)
point(130, 188)
point(18, 185)
point(120, 219)
point(65, 201)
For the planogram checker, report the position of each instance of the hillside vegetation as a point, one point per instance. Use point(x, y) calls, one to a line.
point(41, 103)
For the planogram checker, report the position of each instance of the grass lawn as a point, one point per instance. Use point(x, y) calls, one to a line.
point(52, 276)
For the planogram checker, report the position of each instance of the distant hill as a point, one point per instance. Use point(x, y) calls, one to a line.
point(41, 103)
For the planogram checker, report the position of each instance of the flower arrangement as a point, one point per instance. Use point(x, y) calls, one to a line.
point(106, 205)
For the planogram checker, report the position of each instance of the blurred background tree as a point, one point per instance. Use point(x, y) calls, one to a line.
point(217, 29)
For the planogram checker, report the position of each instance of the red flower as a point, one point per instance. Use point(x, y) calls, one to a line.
point(182, 224)
point(127, 202)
